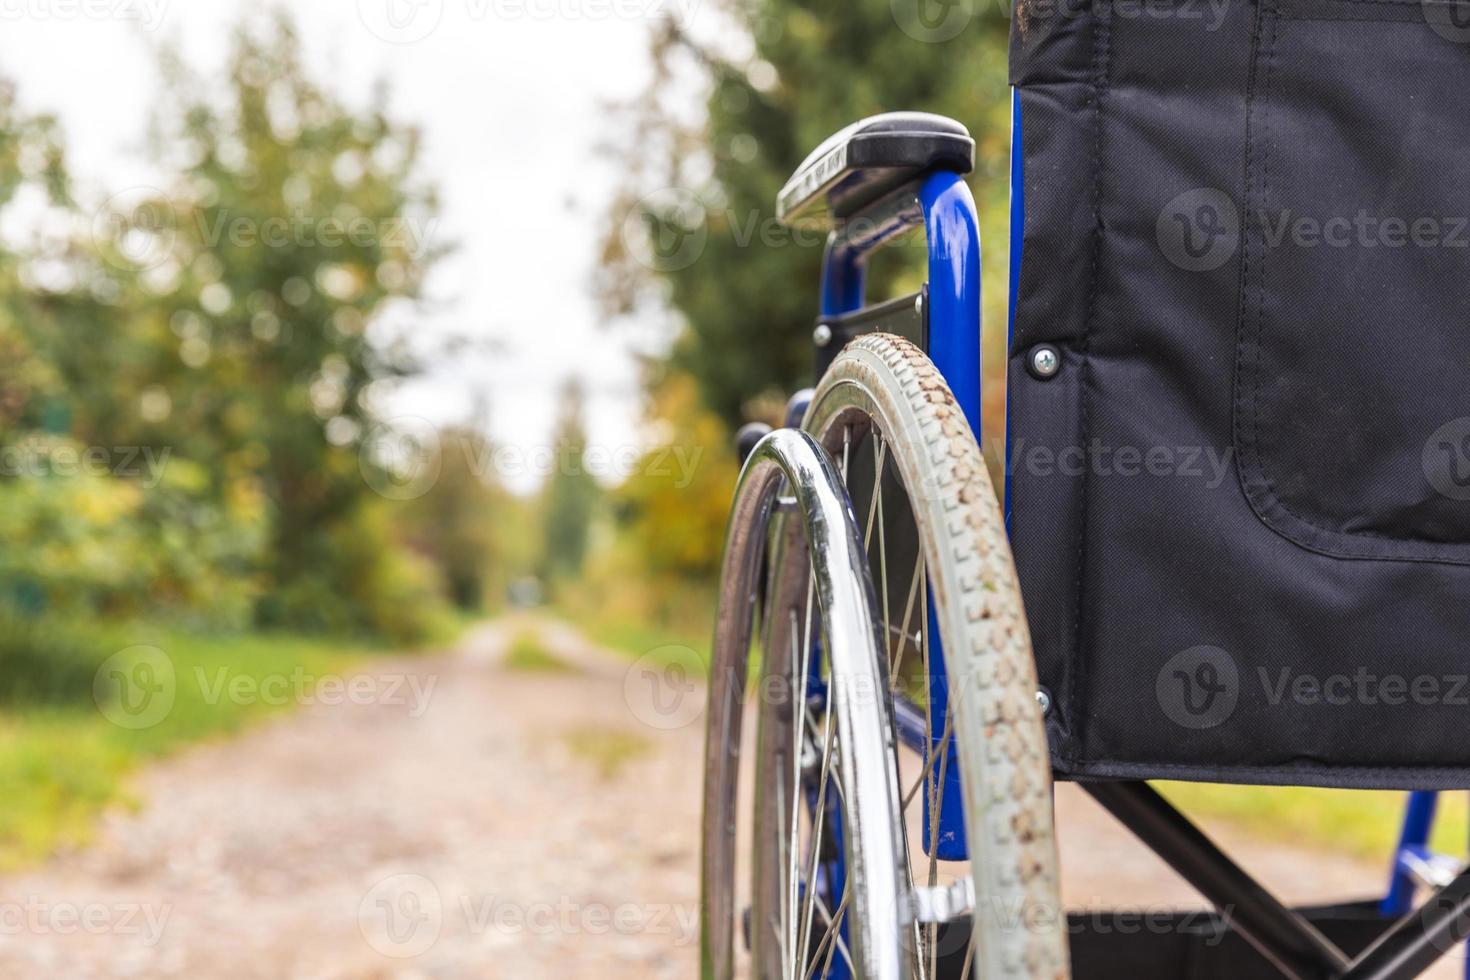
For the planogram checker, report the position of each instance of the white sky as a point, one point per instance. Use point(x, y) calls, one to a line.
point(510, 96)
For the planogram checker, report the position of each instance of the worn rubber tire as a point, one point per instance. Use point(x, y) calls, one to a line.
point(982, 624)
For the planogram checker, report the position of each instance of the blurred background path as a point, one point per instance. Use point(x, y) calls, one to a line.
point(517, 819)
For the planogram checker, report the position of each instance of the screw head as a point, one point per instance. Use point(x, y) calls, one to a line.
point(822, 336)
point(1044, 700)
point(1045, 361)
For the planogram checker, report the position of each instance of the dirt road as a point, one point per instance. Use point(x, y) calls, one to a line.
point(516, 823)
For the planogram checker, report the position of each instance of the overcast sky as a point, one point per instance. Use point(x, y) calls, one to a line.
point(510, 96)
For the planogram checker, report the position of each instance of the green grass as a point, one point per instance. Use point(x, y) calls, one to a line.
point(637, 638)
point(62, 761)
point(609, 750)
point(1362, 823)
point(528, 654)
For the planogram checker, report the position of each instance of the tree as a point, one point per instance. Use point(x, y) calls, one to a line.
point(746, 299)
point(456, 522)
point(571, 492)
point(30, 154)
point(246, 302)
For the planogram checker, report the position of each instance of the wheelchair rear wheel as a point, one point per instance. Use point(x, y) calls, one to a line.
point(857, 845)
point(939, 556)
point(821, 825)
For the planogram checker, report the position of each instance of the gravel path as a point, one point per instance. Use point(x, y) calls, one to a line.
point(517, 824)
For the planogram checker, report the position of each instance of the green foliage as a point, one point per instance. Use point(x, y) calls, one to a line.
point(748, 302)
point(363, 583)
point(673, 508)
point(460, 523)
point(83, 542)
point(45, 661)
point(227, 330)
point(694, 230)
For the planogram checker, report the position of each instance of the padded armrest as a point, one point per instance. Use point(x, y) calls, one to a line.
point(861, 163)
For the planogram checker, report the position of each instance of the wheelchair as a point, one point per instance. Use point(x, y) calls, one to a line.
point(1230, 241)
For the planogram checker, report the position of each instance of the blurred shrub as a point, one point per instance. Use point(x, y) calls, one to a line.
point(221, 322)
point(45, 659)
point(79, 541)
point(674, 506)
point(457, 524)
point(364, 583)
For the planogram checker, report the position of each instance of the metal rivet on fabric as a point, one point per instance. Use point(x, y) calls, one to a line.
point(1045, 361)
point(1044, 699)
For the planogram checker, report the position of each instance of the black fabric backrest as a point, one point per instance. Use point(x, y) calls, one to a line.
point(1241, 510)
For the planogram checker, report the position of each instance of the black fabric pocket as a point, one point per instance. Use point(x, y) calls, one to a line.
point(1351, 409)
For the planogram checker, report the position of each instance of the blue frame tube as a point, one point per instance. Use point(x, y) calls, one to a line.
point(952, 227)
point(952, 224)
point(1418, 820)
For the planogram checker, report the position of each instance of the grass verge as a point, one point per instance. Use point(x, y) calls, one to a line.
point(1361, 823)
point(608, 750)
point(72, 733)
point(529, 655)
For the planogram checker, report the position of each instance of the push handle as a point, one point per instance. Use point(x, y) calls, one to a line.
point(862, 163)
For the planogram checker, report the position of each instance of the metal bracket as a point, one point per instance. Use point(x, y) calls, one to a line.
point(906, 316)
point(942, 903)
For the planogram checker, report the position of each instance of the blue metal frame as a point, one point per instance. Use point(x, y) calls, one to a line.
point(1412, 850)
point(952, 226)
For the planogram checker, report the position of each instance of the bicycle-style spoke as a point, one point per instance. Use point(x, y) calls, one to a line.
point(780, 927)
point(832, 941)
point(819, 813)
point(800, 659)
point(908, 608)
point(880, 450)
point(846, 450)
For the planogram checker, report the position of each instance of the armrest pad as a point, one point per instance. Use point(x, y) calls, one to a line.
point(866, 160)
